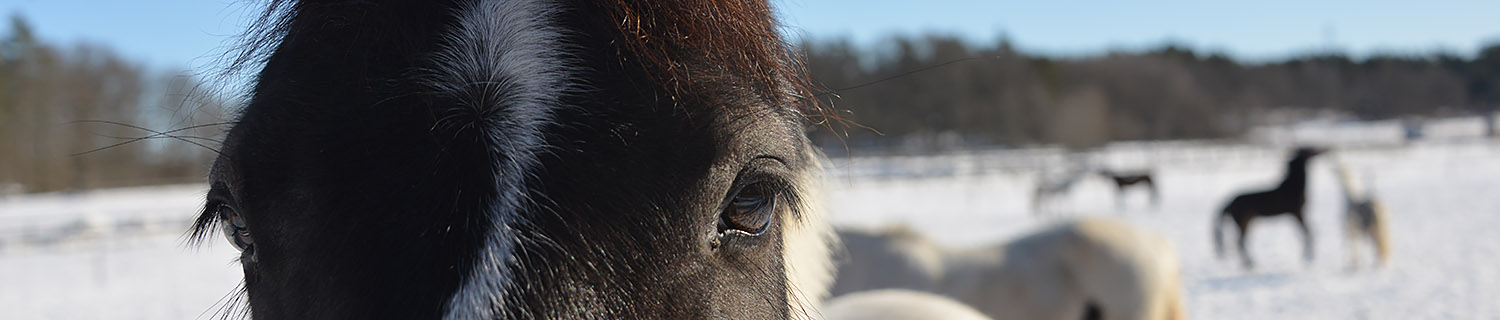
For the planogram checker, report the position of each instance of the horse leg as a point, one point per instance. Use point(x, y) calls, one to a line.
point(1352, 238)
point(1219, 235)
point(1244, 225)
point(1155, 194)
point(1349, 247)
point(1119, 198)
point(1036, 203)
point(1307, 240)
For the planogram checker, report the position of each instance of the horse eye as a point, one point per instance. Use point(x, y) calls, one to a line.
point(234, 229)
point(751, 210)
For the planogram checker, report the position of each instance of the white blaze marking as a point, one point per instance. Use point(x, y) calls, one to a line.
point(506, 56)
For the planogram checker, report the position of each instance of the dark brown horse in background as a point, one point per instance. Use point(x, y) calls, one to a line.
point(1130, 180)
point(1287, 198)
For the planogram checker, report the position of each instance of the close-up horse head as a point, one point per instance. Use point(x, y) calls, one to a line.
point(667, 159)
point(522, 159)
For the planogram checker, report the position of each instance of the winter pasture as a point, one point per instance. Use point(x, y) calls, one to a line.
point(121, 254)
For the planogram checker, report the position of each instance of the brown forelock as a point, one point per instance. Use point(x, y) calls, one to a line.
point(676, 39)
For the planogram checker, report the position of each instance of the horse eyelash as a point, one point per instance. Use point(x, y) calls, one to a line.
point(204, 224)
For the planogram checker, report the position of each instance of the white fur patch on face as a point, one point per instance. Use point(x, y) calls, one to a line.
point(505, 60)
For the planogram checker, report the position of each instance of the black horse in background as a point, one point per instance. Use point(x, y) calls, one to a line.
point(1287, 198)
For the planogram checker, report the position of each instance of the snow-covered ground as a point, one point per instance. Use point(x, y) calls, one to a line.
point(115, 254)
point(120, 254)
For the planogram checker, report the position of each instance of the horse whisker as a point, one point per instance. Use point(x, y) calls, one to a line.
point(154, 133)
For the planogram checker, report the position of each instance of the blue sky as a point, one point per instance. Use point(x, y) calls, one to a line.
point(189, 33)
point(176, 34)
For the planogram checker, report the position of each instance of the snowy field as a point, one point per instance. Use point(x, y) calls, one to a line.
point(115, 254)
point(1443, 199)
point(120, 254)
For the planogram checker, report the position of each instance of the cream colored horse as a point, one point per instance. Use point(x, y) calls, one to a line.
point(1092, 267)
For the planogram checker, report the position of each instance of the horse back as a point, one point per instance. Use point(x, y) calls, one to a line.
point(1265, 203)
point(1128, 272)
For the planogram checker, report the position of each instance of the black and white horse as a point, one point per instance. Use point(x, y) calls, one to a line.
point(563, 159)
point(1365, 219)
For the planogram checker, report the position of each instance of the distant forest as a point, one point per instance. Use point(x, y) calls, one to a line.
point(80, 116)
point(991, 94)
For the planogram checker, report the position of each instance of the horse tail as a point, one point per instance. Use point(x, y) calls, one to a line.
point(1379, 232)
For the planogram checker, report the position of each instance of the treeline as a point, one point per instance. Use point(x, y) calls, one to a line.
point(994, 95)
point(59, 103)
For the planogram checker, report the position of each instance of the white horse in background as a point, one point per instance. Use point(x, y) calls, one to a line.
point(1090, 268)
